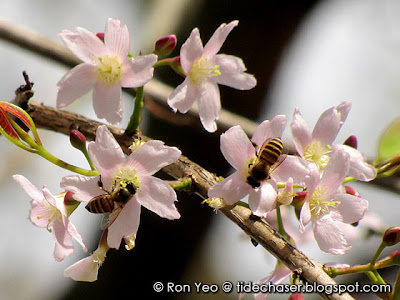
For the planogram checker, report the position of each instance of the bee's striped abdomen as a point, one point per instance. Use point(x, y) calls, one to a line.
point(100, 204)
point(271, 151)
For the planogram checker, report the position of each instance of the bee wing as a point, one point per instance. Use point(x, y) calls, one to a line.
point(114, 214)
point(282, 157)
point(104, 221)
point(260, 148)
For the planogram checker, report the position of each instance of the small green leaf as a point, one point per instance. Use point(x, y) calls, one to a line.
point(389, 144)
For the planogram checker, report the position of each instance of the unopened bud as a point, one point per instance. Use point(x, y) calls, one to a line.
point(69, 199)
point(351, 191)
point(296, 296)
point(351, 141)
point(78, 140)
point(298, 202)
point(395, 256)
point(100, 35)
point(391, 236)
point(165, 45)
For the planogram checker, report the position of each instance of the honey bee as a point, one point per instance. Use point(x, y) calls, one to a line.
point(269, 157)
point(112, 202)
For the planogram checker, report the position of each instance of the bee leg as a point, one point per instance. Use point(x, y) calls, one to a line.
point(254, 218)
point(100, 183)
point(254, 242)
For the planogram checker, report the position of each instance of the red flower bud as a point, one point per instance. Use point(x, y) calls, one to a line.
point(100, 35)
point(391, 236)
point(165, 45)
point(296, 296)
point(69, 199)
point(351, 191)
point(78, 140)
point(351, 141)
point(395, 256)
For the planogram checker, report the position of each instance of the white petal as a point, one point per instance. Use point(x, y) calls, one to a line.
point(106, 153)
point(351, 208)
point(305, 214)
point(84, 44)
point(29, 188)
point(125, 225)
point(300, 132)
point(83, 270)
point(191, 50)
point(263, 199)
point(218, 38)
point(237, 148)
point(232, 73)
point(158, 196)
point(336, 170)
point(231, 189)
point(329, 123)
point(269, 129)
point(358, 167)
point(76, 83)
point(292, 167)
point(209, 106)
point(138, 71)
point(183, 97)
point(116, 38)
point(63, 242)
point(329, 237)
point(107, 103)
point(84, 188)
point(152, 157)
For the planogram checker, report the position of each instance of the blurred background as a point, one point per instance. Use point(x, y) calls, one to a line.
point(305, 54)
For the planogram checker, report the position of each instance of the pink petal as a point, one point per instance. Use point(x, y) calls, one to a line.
point(125, 225)
point(157, 196)
point(107, 102)
point(237, 148)
point(232, 73)
point(231, 189)
point(329, 123)
point(300, 132)
point(83, 270)
point(116, 38)
point(263, 199)
point(138, 71)
point(191, 50)
point(84, 188)
point(76, 83)
point(183, 97)
point(329, 237)
point(269, 129)
point(351, 208)
point(209, 106)
point(71, 229)
point(84, 44)
point(106, 154)
point(292, 167)
point(358, 167)
point(29, 188)
point(335, 172)
point(152, 157)
point(63, 242)
point(218, 38)
point(305, 215)
point(39, 214)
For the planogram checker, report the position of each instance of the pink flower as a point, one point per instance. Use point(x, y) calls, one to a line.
point(327, 207)
point(118, 171)
point(239, 151)
point(106, 68)
point(318, 146)
point(204, 70)
point(49, 211)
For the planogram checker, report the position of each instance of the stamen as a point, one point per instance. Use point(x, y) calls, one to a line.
point(123, 176)
point(317, 154)
point(202, 69)
point(109, 69)
point(320, 202)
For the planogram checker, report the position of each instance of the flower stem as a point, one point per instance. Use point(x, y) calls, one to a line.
point(136, 116)
point(183, 184)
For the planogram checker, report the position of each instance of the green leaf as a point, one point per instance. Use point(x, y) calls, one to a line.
point(389, 144)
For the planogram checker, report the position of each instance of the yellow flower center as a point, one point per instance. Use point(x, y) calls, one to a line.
point(320, 202)
point(202, 69)
point(124, 175)
point(51, 213)
point(109, 69)
point(317, 154)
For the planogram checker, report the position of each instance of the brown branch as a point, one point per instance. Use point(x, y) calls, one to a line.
point(263, 233)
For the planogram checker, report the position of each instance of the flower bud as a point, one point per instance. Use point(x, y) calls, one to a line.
point(78, 140)
point(100, 35)
point(69, 199)
point(391, 236)
point(395, 256)
point(351, 141)
point(351, 191)
point(175, 64)
point(296, 296)
point(298, 202)
point(165, 45)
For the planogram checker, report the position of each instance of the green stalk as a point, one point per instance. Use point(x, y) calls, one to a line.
point(136, 116)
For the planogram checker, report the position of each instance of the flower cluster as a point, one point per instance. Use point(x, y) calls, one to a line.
point(319, 168)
